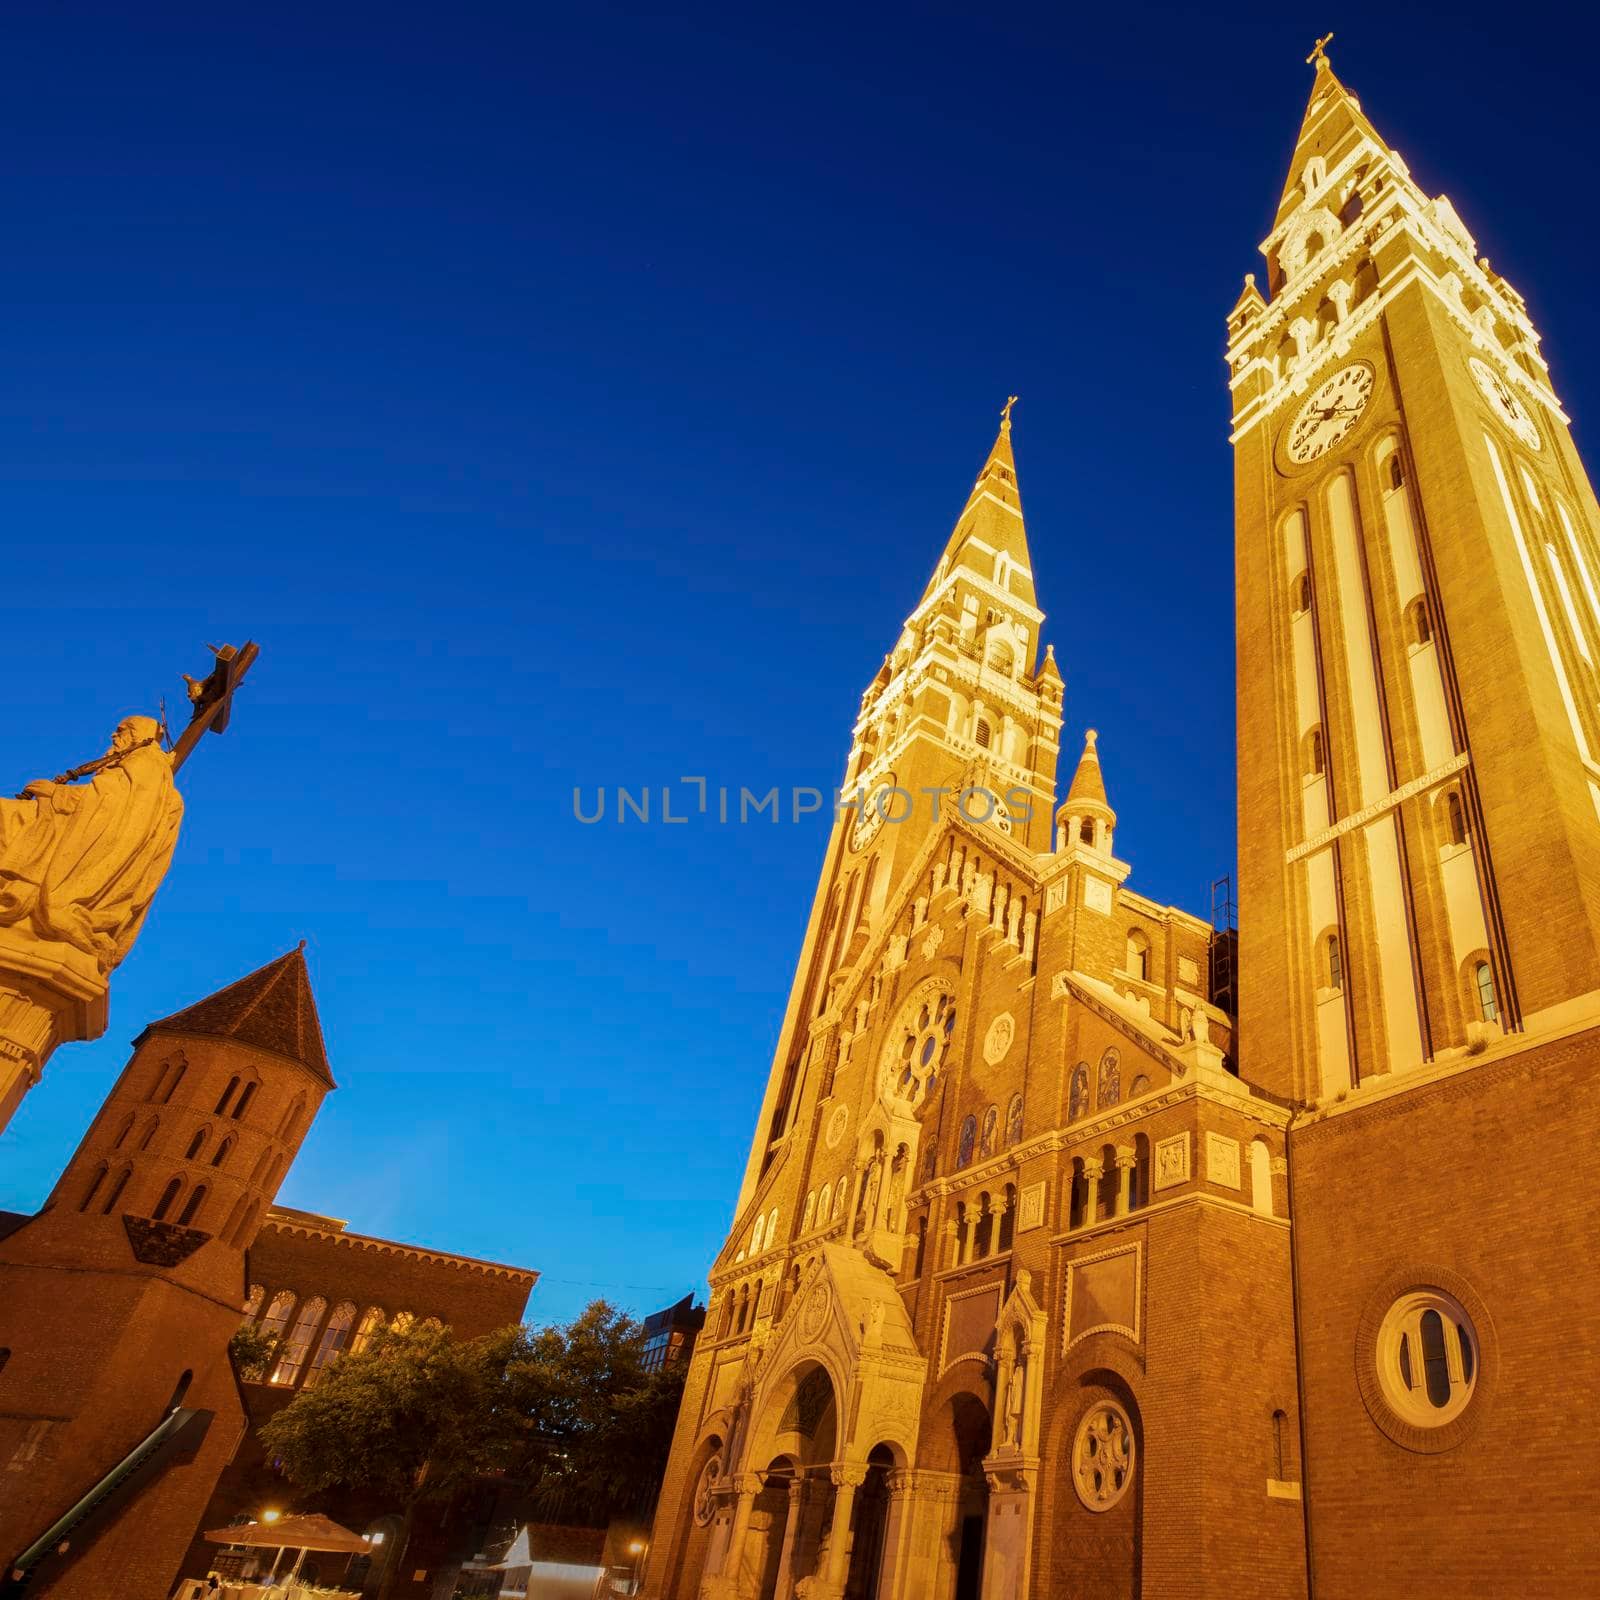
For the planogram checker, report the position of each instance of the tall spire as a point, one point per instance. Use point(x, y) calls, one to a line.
point(1088, 786)
point(991, 526)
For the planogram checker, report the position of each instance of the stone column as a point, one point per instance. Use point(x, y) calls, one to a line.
point(1127, 1163)
point(726, 1583)
point(1092, 1171)
point(847, 1478)
point(791, 1529)
point(894, 1580)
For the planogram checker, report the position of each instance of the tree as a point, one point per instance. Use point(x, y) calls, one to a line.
point(416, 1416)
point(599, 1425)
point(252, 1350)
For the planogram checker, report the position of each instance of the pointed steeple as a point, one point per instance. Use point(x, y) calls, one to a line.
point(991, 527)
point(1333, 121)
point(268, 1009)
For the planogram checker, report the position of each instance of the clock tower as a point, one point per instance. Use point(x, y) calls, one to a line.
point(1418, 591)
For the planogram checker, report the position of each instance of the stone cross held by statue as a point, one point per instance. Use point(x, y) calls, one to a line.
point(211, 697)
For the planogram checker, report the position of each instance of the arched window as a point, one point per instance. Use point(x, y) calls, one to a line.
point(292, 1354)
point(149, 1133)
point(1455, 818)
point(1136, 962)
point(222, 1151)
point(1078, 1201)
point(246, 1095)
point(1110, 1178)
point(1008, 1219)
point(171, 1076)
point(1078, 1095)
point(278, 1312)
point(825, 1206)
point(334, 1338)
point(1260, 1177)
point(1483, 981)
point(809, 1213)
point(967, 1143)
point(1139, 1185)
point(94, 1186)
point(123, 1132)
point(1086, 831)
point(1014, 1121)
point(291, 1117)
point(227, 1094)
point(1301, 591)
point(191, 1209)
point(839, 1195)
point(244, 1234)
point(922, 1247)
point(196, 1145)
point(168, 1196)
point(1110, 1079)
point(253, 1303)
point(1139, 1086)
point(984, 736)
point(1316, 756)
point(1335, 959)
point(372, 1319)
point(756, 1234)
point(403, 1322)
point(116, 1192)
point(989, 1132)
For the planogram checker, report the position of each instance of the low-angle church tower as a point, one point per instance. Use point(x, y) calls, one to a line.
point(1010, 1259)
point(119, 1404)
point(1418, 587)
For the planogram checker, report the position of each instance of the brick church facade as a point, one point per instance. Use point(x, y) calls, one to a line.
point(1062, 1267)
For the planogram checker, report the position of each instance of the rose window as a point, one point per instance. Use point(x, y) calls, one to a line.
point(924, 1040)
point(1102, 1456)
point(704, 1503)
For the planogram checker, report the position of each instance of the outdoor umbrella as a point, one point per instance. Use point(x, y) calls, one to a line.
point(311, 1532)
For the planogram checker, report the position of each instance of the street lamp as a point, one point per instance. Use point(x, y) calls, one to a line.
point(636, 1548)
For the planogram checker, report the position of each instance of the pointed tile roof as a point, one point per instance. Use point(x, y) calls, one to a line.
point(992, 517)
point(269, 1009)
point(1088, 787)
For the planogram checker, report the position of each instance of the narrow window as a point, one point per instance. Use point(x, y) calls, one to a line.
point(222, 1151)
point(1455, 818)
point(1279, 1422)
point(1486, 1001)
point(127, 1128)
point(168, 1195)
point(172, 1083)
point(922, 1246)
point(94, 1189)
point(334, 1338)
point(371, 1320)
point(244, 1100)
point(1315, 759)
point(983, 734)
point(150, 1133)
point(116, 1193)
point(1435, 1365)
point(1086, 831)
point(1335, 963)
point(227, 1094)
point(1396, 472)
point(292, 1354)
point(1421, 627)
point(191, 1209)
point(1302, 592)
point(196, 1145)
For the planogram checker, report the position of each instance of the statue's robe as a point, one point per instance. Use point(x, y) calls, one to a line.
point(80, 863)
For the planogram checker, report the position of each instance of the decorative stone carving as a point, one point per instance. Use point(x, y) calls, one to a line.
point(161, 1244)
point(838, 1121)
point(1030, 1207)
point(814, 1314)
point(997, 1041)
point(1172, 1161)
point(930, 945)
point(1222, 1160)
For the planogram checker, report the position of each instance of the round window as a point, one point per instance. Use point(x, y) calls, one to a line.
point(1427, 1356)
point(705, 1504)
point(1102, 1456)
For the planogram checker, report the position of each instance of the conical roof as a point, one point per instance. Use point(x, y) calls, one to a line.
point(1333, 120)
point(269, 1009)
point(1088, 786)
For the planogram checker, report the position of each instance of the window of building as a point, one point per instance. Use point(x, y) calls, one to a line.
point(983, 1227)
point(123, 1132)
point(1102, 1456)
point(222, 1151)
point(171, 1076)
point(1078, 1094)
point(116, 1192)
point(243, 1235)
point(1316, 755)
point(1014, 1121)
point(149, 1133)
point(196, 1145)
point(1395, 472)
point(372, 1319)
point(1427, 1354)
point(403, 1322)
point(1300, 591)
point(288, 1123)
point(983, 735)
point(1455, 818)
point(1086, 831)
point(1335, 958)
point(334, 1338)
point(191, 1208)
point(226, 1097)
point(922, 1247)
point(967, 1142)
point(253, 1304)
point(1008, 1219)
point(1078, 1196)
point(1483, 979)
point(1136, 959)
point(292, 1353)
point(276, 1319)
point(246, 1095)
point(169, 1196)
point(1260, 1177)
point(1280, 1429)
point(1110, 1079)
point(94, 1187)
point(1419, 628)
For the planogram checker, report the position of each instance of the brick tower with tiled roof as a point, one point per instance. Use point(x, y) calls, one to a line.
point(117, 1301)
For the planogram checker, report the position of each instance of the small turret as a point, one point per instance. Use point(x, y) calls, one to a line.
point(1085, 820)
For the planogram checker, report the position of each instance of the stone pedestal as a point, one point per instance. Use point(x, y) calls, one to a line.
point(1008, 1537)
point(50, 994)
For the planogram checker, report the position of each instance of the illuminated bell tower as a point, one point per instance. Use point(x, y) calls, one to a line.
point(961, 714)
point(1418, 586)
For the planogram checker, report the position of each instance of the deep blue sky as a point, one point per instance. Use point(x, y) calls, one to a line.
point(581, 395)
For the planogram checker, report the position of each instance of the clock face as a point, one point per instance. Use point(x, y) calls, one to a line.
point(1504, 402)
point(1330, 413)
point(874, 807)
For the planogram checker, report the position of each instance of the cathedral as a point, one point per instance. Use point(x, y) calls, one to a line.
point(1087, 1249)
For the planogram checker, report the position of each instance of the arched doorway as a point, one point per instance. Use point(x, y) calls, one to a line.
point(870, 1521)
point(955, 1439)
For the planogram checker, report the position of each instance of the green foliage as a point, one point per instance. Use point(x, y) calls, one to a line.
point(569, 1410)
point(252, 1350)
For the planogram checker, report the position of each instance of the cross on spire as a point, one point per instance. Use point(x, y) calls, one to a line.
point(1005, 412)
point(1319, 56)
